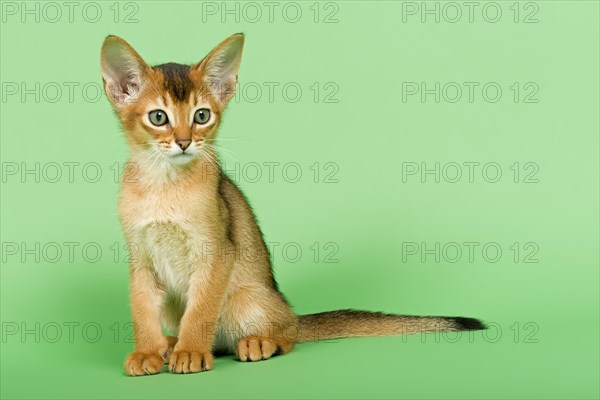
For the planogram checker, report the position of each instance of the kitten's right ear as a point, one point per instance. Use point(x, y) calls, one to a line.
point(123, 70)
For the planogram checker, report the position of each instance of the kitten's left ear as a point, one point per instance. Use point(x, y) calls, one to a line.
point(123, 70)
point(220, 67)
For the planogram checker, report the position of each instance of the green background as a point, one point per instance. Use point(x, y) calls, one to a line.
point(544, 315)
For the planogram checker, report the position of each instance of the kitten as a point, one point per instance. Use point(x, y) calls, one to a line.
point(200, 268)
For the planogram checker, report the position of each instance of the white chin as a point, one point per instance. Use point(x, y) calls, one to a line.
point(181, 159)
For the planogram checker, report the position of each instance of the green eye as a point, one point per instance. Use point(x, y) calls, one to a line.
point(202, 116)
point(158, 117)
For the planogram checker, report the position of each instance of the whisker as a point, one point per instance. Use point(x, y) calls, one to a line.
point(228, 152)
point(208, 156)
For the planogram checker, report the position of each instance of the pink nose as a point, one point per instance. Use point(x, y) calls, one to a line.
point(183, 143)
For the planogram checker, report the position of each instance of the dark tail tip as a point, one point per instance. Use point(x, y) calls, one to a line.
point(468, 324)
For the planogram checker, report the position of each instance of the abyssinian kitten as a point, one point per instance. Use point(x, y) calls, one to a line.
point(200, 268)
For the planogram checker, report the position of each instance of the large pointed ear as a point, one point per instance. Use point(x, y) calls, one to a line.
point(123, 70)
point(219, 69)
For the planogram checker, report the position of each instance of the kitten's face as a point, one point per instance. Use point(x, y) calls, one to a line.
point(172, 115)
point(170, 112)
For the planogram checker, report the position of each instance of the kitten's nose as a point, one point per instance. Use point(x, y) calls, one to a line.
point(183, 143)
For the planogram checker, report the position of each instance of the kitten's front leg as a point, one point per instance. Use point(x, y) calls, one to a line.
point(150, 343)
point(193, 351)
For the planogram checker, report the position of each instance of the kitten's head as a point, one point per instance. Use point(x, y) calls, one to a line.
point(170, 111)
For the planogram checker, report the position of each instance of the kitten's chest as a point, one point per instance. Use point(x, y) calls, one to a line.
point(174, 253)
point(171, 230)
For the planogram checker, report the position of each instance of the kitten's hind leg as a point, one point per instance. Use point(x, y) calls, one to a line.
point(256, 323)
point(257, 348)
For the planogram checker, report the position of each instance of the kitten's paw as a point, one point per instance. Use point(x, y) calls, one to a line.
point(255, 348)
point(186, 362)
point(137, 364)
